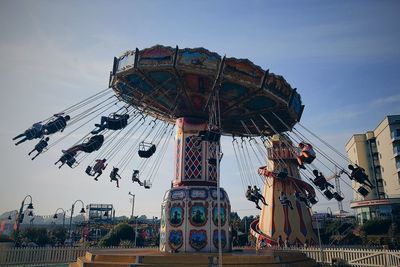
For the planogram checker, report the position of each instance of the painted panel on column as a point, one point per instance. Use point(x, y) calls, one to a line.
point(198, 239)
point(223, 238)
point(176, 215)
point(222, 214)
point(175, 239)
point(198, 214)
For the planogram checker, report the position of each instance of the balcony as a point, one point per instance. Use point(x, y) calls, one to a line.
point(395, 138)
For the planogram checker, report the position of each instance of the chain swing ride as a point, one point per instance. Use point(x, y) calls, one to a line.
point(202, 96)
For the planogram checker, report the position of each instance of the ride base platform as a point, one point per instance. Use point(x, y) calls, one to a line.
point(153, 257)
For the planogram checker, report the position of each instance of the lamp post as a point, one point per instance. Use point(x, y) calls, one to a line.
point(56, 216)
point(133, 208)
point(133, 203)
point(20, 217)
point(72, 213)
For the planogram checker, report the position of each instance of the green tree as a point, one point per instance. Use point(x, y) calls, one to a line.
point(376, 227)
point(59, 234)
point(37, 235)
point(120, 232)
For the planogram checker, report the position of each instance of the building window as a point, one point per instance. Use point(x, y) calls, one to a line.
point(382, 169)
point(378, 143)
point(380, 155)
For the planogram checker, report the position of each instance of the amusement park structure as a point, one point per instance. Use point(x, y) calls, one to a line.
point(208, 96)
point(203, 96)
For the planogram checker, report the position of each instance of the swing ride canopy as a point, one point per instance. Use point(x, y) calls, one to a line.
point(169, 83)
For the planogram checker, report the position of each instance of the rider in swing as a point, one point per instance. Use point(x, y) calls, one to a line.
point(307, 154)
point(251, 197)
point(358, 174)
point(114, 175)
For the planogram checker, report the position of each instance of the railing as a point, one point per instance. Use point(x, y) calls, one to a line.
point(15, 256)
point(352, 256)
point(45, 255)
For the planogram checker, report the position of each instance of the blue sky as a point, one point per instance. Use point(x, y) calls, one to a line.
point(343, 56)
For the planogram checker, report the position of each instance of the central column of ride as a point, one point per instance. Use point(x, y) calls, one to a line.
point(189, 212)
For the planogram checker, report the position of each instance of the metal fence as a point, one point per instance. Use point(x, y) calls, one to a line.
point(362, 257)
point(352, 256)
point(17, 256)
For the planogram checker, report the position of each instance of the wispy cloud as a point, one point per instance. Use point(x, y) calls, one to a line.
point(385, 101)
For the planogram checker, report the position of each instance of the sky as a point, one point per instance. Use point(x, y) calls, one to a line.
point(342, 56)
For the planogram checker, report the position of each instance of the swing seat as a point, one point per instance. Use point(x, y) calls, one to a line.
point(88, 170)
point(146, 150)
point(338, 197)
point(147, 184)
point(309, 159)
point(72, 163)
point(364, 192)
point(93, 144)
point(328, 194)
point(313, 200)
point(209, 136)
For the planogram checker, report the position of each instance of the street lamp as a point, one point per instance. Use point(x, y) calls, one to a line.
point(20, 217)
point(133, 203)
point(133, 208)
point(56, 216)
point(72, 213)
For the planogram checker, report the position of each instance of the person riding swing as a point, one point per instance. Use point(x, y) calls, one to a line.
point(321, 181)
point(40, 147)
point(114, 175)
point(98, 168)
point(57, 124)
point(93, 144)
point(257, 194)
point(300, 196)
point(35, 132)
point(285, 201)
point(135, 177)
point(307, 154)
point(115, 122)
point(67, 158)
point(358, 174)
point(250, 196)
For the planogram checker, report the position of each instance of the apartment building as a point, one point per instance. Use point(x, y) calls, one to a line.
point(378, 152)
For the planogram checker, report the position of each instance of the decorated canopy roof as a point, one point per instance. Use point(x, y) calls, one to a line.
point(169, 83)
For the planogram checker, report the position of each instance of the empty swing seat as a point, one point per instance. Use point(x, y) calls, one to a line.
point(146, 150)
point(362, 191)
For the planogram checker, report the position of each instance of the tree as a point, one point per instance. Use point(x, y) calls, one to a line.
point(37, 235)
point(120, 232)
point(59, 234)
